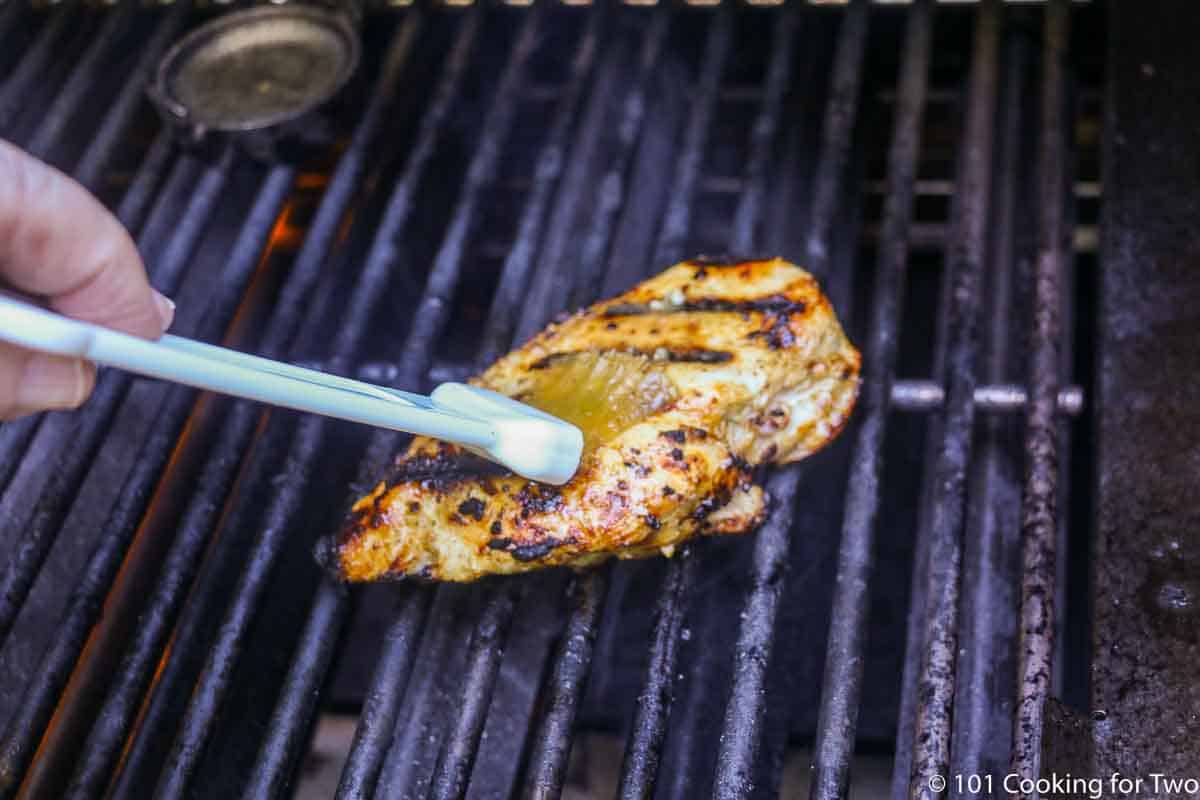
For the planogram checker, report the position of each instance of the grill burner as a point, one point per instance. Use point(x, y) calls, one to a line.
point(162, 624)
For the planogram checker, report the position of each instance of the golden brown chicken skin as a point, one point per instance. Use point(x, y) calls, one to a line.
point(682, 386)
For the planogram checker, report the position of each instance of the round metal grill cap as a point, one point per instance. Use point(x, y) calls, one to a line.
point(256, 68)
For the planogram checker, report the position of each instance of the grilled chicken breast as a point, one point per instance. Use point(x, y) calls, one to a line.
point(681, 386)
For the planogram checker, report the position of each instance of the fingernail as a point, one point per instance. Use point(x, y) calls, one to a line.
point(54, 382)
point(166, 309)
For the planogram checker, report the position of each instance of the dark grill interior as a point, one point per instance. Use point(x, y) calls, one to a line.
point(164, 627)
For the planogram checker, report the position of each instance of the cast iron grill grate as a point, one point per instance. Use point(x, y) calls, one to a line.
point(163, 626)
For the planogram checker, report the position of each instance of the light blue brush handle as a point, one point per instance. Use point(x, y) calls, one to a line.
point(522, 438)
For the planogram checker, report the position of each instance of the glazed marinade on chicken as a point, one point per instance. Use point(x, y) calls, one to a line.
point(681, 387)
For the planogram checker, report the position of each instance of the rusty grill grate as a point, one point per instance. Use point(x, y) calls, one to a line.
point(164, 629)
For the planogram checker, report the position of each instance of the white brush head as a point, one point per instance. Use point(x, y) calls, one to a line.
point(530, 442)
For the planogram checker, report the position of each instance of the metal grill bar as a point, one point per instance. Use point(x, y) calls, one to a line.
point(51, 126)
point(364, 765)
point(772, 543)
point(552, 739)
point(836, 136)
point(384, 698)
point(908, 394)
point(288, 730)
point(385, 694)
point(982, 724)
point(25, 728)
point(623, 270)
point(1039, 512)
point(294, 710)
point(518, 265)
point(434, 308)
point(409, 761)
point(639, 768)
point(749, 213)
point(1001, 397)
point(215, 678)
point(551, 284)
point(640, 764)
point(453, 768)
point(1065, 672)
point(461, 745)
point(440, 286)
point(678, 214)
point(33, 62)
point(136, 492)
point(690, 776)
point(583, 630)
point(918, 590)
point(589, 275)
point(395, 661)
point(842, 681)
point(486, 648)
point(135, 203)
point(742, 728)
point(965, 263)
point(16, 436)
point(172, 239)
point(479, 680)
point(209, 694)
point(677, 219)
point(934, 235)
point(218, 473)
point(116, 120)
point(75, 461)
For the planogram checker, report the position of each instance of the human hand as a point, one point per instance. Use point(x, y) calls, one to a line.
point(62, 244)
